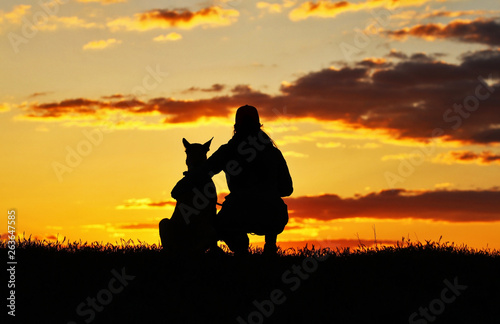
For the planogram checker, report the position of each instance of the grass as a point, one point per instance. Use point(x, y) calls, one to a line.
point(380, 284)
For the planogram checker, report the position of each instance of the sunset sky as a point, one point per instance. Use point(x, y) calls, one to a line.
point(387, 112)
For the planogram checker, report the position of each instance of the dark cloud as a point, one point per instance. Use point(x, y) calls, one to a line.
point(114, 96)
point(397, 54)
point(454, 14)
point(374, 63)
point(486, 137)
point(39, 94)
point(242, 89)
point(422, 57)
point(451, 206)
point(408, 99)
point(216, 87)
point(485, 157)
point(175, 16)
point(484, 31)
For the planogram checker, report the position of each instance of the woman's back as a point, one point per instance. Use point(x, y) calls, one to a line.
point(253, 166)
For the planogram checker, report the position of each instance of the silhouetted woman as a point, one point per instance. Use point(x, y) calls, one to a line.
point(257, 177)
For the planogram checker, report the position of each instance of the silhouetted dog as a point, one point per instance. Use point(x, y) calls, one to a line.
point(190, 229)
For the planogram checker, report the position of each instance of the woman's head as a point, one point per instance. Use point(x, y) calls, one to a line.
point(247, 120)
point(247, 123)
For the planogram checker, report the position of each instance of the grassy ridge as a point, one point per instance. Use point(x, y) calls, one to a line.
point(136, 283)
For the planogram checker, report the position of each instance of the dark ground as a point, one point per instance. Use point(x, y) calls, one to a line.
point(384, 286)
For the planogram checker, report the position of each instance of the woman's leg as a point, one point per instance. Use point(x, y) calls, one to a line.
point(230, 229)
point(270, 246)
point(238, 242)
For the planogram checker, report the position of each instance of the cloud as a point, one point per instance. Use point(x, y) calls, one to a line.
point(39, 94)
point(329, 9)
point(439, 205)
point(43, 22)
point(101, 44)
point(397, 54)
point(294, 154)
point(455, 14)
point(139, 226)
point(269, 7)
point(184, 19)
point(55, 23)
point(406, 100)
point(146, 203)
point(216, 87)
point(466, 157)
point(484, 31)
point(331, 145)
point(15, 16)
point(402, 156)
point(374, 62)
point(114, 96)
point(173, 36)
point(4, 107)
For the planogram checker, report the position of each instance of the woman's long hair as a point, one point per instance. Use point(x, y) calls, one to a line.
point(242, 134)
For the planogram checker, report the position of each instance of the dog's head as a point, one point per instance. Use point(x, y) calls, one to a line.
point(196, 153)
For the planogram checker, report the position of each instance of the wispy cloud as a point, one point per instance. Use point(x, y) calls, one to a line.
point(216, 87)
point(55, 23)
point(173, 36)
point(139, 226)
point(295, 154)
point(456, 14)
point(331, 145)
point(484, 31)
point(401, 156)
point(468, 157)
point(39, 94)
point(330, 9)
point(4, 107)
point(101, 44)
point(274, 7)
point(49, 23)
point(15, 16)
point(146, 203)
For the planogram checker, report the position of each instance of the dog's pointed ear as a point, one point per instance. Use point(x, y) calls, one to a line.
point(207, 144)
point(186, 143)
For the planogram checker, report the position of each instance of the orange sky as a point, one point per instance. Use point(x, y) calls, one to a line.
point(388, 115)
